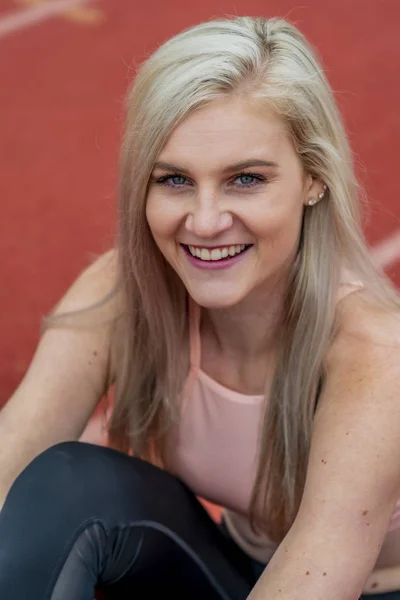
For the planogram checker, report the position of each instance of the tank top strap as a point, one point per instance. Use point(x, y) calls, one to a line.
point(194, 334)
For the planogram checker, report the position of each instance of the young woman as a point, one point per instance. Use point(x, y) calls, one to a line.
point(254, 348)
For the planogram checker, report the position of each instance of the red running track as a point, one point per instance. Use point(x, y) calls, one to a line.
point(62, 84)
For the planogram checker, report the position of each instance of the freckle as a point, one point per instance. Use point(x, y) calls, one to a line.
point(90, 362)
point(374, 585)
point(95, 353)
point(324, 574)
point(347, 433)
point(364, 512)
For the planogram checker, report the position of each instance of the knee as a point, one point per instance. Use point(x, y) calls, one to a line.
point(65, 457)
point(59, 469)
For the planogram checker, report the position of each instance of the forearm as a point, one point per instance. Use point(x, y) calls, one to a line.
point(305, 569)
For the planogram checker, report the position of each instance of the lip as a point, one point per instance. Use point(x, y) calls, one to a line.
point(216, 247)
point(224, 263)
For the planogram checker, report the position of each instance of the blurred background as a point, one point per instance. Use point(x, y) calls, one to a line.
point(65, 66)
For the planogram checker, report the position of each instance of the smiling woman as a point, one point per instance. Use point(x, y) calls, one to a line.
point(225, 192)
point(254, 348)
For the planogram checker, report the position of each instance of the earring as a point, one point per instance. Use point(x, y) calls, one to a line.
point(312, 201)
point(322, 194)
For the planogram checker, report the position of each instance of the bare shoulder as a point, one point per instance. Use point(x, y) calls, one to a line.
point(84, 319)
point(95, 283)
point(364, 325)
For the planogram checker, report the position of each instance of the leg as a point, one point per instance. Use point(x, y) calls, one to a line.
point(82, 515)
point(384, 596)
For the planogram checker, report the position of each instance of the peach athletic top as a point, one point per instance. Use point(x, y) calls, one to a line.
point(216, 445)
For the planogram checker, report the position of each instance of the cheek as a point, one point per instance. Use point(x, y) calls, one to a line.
point(279, 222)
point(163, 221)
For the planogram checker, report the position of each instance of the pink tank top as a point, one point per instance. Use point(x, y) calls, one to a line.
point(215, 450)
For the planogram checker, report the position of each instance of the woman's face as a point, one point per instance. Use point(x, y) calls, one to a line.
point(226, 199)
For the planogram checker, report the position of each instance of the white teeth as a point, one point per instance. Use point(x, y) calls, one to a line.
point(216, 253)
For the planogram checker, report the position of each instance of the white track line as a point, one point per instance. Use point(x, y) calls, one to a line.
point(22, 19)
point(385, 253)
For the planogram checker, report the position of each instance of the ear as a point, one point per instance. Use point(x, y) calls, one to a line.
point(314, 190)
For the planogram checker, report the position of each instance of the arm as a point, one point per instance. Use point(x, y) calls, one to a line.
point(353, 476)
point(65, 381)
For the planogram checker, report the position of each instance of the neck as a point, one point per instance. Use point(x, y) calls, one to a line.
point(250, 329)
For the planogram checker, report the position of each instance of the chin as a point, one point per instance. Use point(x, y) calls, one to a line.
point(216, 300)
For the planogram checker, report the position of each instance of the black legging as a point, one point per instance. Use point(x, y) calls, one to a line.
point(82, 517)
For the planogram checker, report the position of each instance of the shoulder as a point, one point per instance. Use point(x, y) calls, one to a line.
point(366, 346)
point(362, 320)
point(86, 317)
point(95, 284)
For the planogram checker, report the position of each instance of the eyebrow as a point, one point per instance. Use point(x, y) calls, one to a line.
point(245, 164)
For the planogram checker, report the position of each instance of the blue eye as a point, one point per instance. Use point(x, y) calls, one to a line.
point(178, 180)
point(248, 180)
point(172, 180)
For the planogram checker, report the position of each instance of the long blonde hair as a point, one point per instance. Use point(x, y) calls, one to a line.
point(271, 60)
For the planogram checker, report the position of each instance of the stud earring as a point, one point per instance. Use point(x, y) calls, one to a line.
point(312, 201)
point(322, 194)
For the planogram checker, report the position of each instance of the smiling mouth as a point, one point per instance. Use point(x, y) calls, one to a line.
point(216, 254)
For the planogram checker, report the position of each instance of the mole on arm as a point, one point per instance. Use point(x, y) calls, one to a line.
point(374, 585)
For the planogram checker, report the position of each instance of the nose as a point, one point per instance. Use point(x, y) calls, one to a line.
point(207, 220)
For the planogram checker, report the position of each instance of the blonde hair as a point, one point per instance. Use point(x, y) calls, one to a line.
point(271, 60)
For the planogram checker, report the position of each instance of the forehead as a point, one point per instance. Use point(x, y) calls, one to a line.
point(226, 130)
